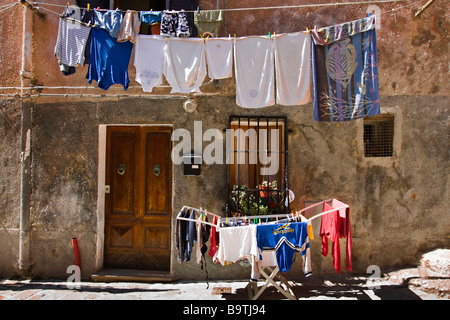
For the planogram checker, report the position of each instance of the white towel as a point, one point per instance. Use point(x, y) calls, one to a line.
point(219, 57)
point(185, 67)
point(149, 60)
point(254, 69)
point(293, 67)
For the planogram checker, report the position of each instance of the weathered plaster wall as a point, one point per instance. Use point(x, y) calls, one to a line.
point(397, 207)
point(10, 142)
point(11, 45)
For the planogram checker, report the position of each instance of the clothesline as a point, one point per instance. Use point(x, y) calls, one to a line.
point(294, 215)
point(266, 8)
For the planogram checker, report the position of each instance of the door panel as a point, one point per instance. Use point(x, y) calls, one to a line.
point(138, 206)
point(122, 172)
point(158, 174)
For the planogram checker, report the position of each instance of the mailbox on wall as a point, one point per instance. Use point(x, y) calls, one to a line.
point(192, 164)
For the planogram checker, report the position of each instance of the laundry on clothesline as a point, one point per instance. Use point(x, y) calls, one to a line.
point(208, 22)
point(149, 61)
point(129, 29)
point(345, 71)
point(109, 60)
point(219, 57)
point(269, 70)
point(254, 71)
point(334, 226)
point(185, 65)
point(71, 43)
point(293, 68)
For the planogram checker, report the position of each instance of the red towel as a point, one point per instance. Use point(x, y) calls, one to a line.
point(336, 225)
point(213, 240)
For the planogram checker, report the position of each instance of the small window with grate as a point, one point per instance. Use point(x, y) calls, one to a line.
point(379, 135)
point(257, 164)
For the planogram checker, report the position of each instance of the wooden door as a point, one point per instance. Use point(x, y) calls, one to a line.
point(138, 205)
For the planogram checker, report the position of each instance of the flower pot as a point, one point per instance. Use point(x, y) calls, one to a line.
point(155, 28)
point(264, 194)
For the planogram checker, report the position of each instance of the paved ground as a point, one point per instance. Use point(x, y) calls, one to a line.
point(398, 285)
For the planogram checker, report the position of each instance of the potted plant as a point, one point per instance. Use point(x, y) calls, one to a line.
point(244, 203)
point(263, 187)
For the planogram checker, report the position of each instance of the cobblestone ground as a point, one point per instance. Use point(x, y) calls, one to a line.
point(400, 285)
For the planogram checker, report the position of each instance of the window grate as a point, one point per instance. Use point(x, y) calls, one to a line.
point(379, 135)
point(257, 165)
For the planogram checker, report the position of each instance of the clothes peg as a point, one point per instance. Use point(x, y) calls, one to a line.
point(198, 9)
point(88, 7)
point(270, 35)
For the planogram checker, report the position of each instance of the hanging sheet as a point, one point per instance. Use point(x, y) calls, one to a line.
point(293, 68)
point(185, 67)
point(255, 74)
point(219, 57)
point(345, 71)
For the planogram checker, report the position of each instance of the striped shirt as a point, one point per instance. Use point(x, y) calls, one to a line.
point(71, 42)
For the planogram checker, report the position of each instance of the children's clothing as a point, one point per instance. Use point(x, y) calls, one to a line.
point(185, 65)
point(219, 57)
point(174, 24)
point(149, 61)
point(237, 243)
point(208, 21)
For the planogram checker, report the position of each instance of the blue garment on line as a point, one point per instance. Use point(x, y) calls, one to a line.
point(109, 60)
point(151, 17)
point(285, 238)
point(109, 20)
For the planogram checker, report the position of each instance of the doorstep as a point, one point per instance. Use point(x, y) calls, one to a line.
point(131, 275)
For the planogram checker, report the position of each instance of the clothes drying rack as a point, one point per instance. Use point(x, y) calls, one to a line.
point(270, 273)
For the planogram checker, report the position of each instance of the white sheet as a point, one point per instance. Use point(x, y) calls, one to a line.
point(149, 60)
point(293, 68)
point(254, 71)
point(185, 67)
point(219, 57)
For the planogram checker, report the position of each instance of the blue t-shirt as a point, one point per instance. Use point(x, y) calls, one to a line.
point(285, 238)
point(109, 60)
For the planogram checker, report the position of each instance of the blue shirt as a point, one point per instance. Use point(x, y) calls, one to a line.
point(109, 60)
point(285, 238)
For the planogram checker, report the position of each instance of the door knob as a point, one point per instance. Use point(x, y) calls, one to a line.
point(122, 169)
point(156, 169)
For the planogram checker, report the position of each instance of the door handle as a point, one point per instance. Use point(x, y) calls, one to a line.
point(122, 169)
point(156, 169)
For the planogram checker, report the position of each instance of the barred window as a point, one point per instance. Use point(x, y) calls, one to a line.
point(379, 135)
point(257, 166)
